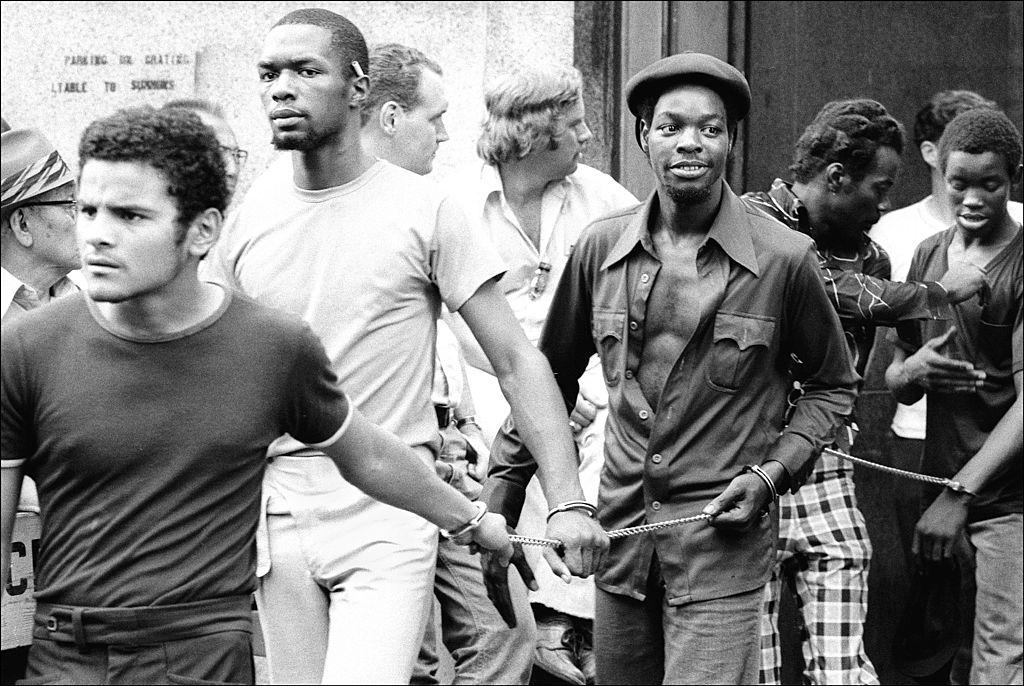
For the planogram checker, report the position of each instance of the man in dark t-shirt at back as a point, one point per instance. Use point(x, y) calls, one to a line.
point(972, 369)
point(144, 407)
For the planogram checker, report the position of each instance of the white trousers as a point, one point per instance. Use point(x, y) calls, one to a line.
point(350, 582)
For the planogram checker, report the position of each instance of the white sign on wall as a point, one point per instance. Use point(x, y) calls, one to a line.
point(80, 84)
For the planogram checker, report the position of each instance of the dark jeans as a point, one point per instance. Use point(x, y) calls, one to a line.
point(650, 642)
point(207, 642)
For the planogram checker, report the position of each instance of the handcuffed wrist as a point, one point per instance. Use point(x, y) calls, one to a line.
point(763, 475)
point(957, 490)
point(473, 523)
point(578, 505)
point(459, 423)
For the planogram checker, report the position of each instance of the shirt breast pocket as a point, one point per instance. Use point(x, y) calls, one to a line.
point(996, 340)
point(608, 326)
point(741, 343)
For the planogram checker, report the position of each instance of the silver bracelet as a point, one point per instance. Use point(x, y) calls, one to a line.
point(582, 505)
point(481, 510)
point(765, 478)
point(459, 423)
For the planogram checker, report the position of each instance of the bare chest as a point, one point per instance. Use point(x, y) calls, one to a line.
point(529, 216)
point(673, 314)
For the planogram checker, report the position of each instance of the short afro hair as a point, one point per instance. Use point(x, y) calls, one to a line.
point(849, 132)
point(173, 141)
point(346, 38)
point(942, 108)
point(396, 74)
point(980, 131)
point(526, 111)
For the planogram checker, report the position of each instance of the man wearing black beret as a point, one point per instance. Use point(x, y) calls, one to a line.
point(696, 304)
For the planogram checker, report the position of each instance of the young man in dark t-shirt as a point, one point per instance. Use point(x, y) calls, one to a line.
point(144, 408)
point(972, 369)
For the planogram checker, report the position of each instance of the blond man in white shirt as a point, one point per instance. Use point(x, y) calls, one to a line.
point(533, 198)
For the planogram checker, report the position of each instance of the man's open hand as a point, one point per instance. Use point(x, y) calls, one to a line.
point(930, 369)
point(496, 579)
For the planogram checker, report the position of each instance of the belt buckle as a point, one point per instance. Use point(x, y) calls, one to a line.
point(51, 623)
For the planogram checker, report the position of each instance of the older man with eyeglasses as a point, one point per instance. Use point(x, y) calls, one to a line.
point(213, 116)
point(37, 235)
point(37, 223)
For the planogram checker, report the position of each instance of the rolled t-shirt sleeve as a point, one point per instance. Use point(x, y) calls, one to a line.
point(18, 441)
point(317, 411)
point(461, 256)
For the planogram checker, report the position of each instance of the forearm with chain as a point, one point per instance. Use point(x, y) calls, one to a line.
point(643, 528)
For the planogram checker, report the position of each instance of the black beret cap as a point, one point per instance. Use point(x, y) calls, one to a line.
point(691, 67)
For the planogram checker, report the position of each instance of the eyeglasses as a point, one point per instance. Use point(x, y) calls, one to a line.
point(70, 204)
point(237, 154)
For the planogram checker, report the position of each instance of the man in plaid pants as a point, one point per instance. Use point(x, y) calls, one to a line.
point(844, 166)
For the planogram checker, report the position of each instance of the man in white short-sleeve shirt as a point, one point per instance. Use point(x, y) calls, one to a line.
point(533, 199)
point(366, 252)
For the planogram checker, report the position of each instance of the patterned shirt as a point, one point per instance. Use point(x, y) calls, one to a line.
point(722, 406)
point(841, 271)
point(858, 296)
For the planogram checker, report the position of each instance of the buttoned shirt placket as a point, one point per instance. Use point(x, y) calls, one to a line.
point(642, 270)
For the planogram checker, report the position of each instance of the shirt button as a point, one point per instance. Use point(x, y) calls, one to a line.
point(644, 414)
point(655, 506)
point(629, 374)
point(633, 326)
point(656, 458)
point(644, 278)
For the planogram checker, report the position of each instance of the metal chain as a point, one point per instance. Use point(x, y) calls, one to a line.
point(633, 530)
point(616, 533)
point(948, 483)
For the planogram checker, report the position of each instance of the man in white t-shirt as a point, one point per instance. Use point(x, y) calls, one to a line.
point(403, 123)
point(366, 252)
point(900, 231)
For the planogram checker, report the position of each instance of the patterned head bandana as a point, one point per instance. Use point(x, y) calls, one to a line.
point(31, 167)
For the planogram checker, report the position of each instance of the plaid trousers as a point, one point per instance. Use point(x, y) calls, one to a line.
point(823, 555)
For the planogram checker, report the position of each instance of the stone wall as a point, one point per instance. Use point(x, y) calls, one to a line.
point(154, 51)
